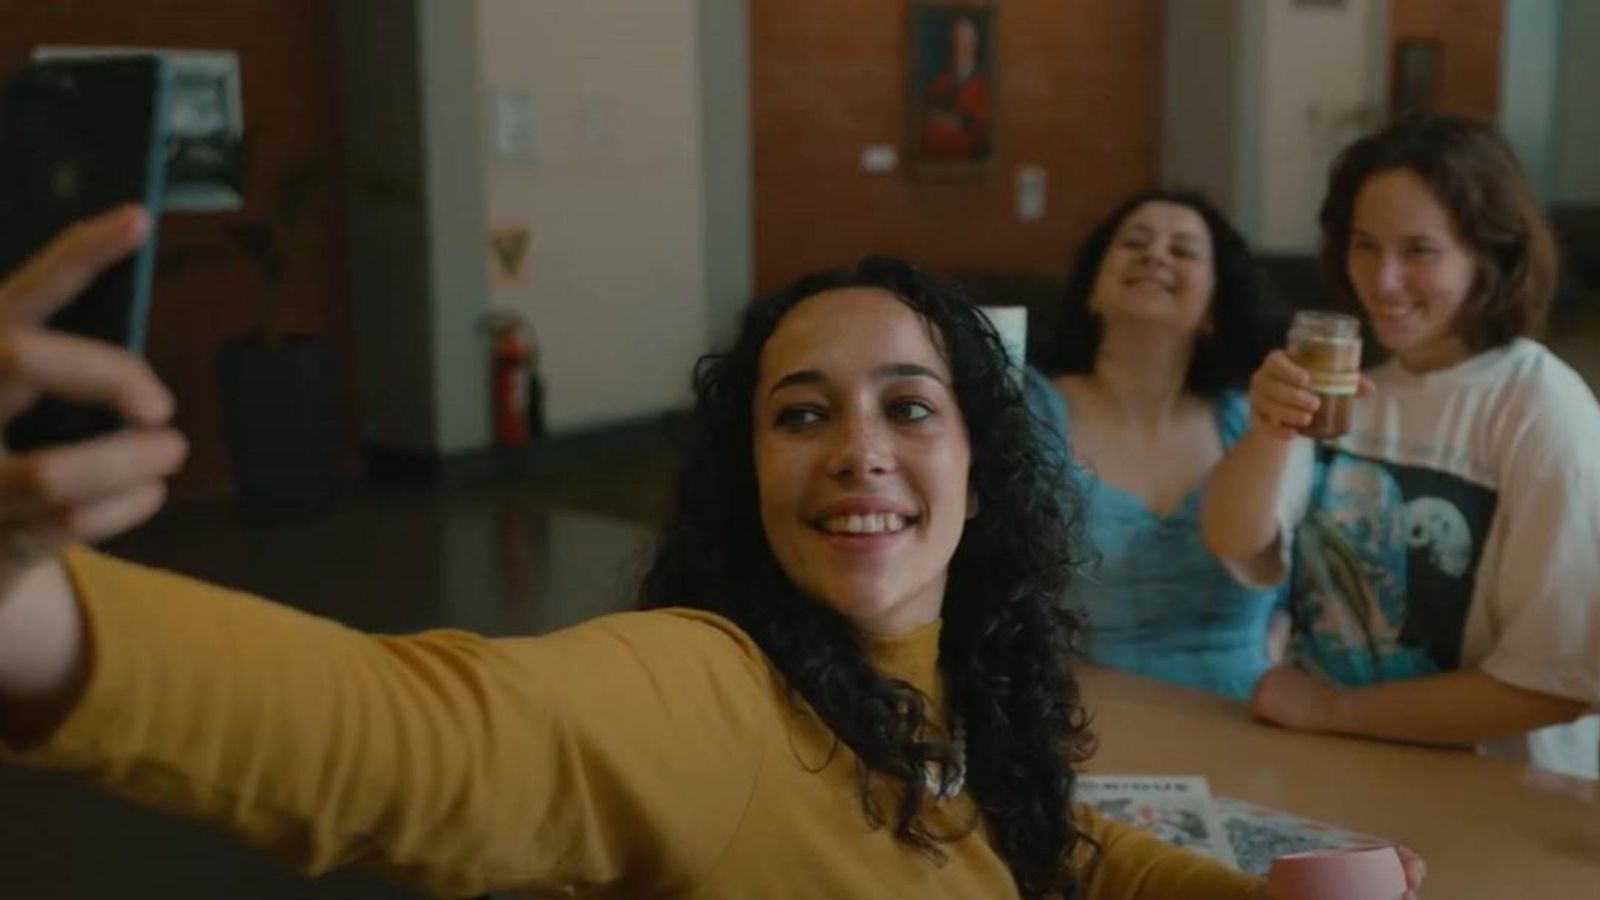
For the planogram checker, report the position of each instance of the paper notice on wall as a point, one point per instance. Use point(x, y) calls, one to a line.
point(510, 246)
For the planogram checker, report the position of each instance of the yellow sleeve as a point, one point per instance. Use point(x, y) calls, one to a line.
point(621, 752)
point(1136, 865)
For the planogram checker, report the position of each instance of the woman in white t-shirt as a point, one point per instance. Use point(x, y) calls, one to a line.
point(1445, 552)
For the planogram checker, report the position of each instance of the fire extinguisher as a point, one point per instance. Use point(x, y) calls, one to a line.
point(511, 363)
point(535, 391)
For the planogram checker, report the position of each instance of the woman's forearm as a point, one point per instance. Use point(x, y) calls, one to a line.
point(1238, 515)
point(1453, 709)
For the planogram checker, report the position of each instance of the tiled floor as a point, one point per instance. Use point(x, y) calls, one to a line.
point(509, 559)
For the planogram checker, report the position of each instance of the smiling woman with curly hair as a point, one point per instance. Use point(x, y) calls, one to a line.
point(1004, 644)
point(855, 683)
point(865, 497)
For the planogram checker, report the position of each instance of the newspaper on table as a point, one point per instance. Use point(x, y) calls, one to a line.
point(1260, 834)
point(1177, 809)
point(1181, 811)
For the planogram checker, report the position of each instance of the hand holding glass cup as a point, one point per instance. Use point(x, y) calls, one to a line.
point(1310, 387)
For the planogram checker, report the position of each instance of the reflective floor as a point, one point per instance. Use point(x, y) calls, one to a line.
point(517, 558)
point(506, 559)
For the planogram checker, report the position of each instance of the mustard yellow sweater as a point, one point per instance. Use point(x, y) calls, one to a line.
point(638, 755)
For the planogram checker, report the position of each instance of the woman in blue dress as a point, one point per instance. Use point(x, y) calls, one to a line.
point(1166, 315)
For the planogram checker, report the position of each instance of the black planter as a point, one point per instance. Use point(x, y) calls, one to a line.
point(278, 417)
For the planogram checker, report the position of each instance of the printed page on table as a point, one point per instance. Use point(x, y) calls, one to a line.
point(1176, 808)
point(1260, 834)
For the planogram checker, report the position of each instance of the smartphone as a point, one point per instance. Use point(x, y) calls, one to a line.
point(79, 137)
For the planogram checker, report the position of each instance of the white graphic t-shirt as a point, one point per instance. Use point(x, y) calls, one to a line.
point(1457, 524)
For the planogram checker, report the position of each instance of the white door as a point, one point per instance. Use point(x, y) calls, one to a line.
point(1322, 84)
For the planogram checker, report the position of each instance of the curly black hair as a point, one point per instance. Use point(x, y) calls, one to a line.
point(1007, 641)
point(1247, 319)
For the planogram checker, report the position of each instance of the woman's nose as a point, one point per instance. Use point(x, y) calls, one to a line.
point(861, 448)
point(1391, 275)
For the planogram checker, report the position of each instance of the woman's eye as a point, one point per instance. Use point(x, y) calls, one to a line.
point(909, 410)
point(794, 417)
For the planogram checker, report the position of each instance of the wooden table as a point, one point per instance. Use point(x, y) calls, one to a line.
point(1487, 828)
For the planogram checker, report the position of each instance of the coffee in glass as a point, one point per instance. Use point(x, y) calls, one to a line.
point(1328, 346)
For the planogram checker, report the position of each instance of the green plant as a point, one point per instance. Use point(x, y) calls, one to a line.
point(276, 240)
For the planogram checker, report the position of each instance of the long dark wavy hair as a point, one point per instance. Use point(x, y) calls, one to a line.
point(1006, 644)
point(1247, 319)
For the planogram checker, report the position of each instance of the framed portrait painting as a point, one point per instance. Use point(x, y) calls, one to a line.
point(1415, 76)
point(952, 87)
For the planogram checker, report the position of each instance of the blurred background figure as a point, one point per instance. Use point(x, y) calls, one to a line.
point(1165, 315)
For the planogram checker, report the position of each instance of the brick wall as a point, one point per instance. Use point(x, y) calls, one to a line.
point(1469, 35)
point(1078, 92)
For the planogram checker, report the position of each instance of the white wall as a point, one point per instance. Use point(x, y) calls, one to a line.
point(725, 87)
point(614, 195)
point(458, 280)
point(1205, 63)
point(1530, 56)
point(1576, 151)
point(1258, 97)
point(1322, 86)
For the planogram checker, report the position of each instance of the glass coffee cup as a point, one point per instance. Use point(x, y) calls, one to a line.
point(1328, 346)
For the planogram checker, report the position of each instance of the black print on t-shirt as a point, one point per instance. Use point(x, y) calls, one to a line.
point(1446, 520)
point(1415, 538)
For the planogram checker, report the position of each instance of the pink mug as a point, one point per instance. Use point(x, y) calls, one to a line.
point(1352, 873)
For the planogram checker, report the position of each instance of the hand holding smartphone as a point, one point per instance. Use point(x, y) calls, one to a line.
point(79, 137)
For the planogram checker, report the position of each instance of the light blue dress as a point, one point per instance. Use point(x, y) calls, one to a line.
point(1159, 604)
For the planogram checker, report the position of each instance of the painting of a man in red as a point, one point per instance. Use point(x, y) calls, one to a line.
point(956, 120)
point(957, 101)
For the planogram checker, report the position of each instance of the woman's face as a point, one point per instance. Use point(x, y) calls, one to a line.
point(861, 457)
point(1410, 269)
point(1158, 268)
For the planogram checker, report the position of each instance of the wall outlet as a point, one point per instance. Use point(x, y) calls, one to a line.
point(877, 159)
point(1032, 184)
